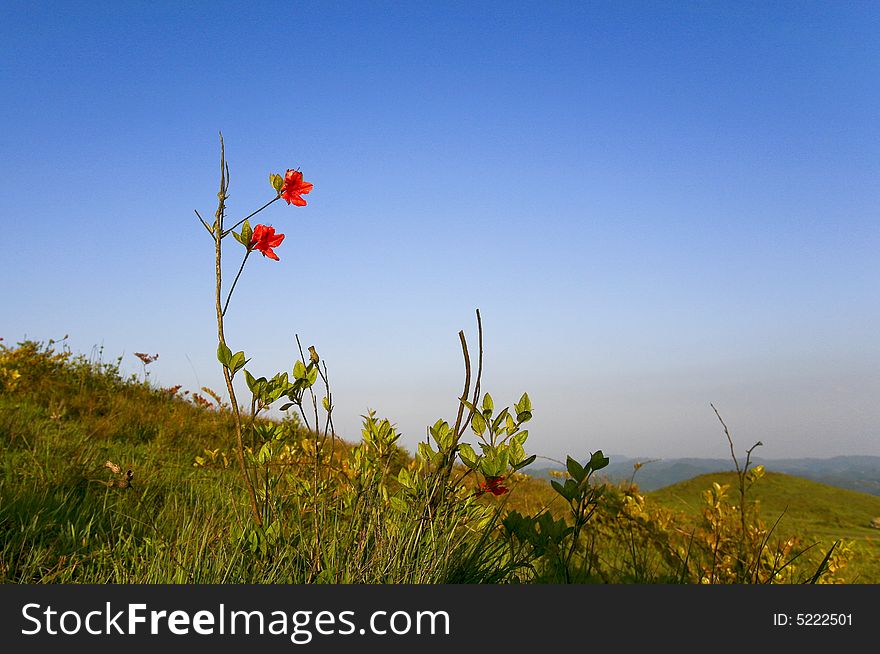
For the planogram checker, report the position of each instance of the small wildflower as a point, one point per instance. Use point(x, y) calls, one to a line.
point(264, 239)
point(494, 485)
point(146, 358)
point(294, 188)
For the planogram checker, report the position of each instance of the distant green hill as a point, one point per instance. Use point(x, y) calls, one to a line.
point(817, 511)
point(858, 473)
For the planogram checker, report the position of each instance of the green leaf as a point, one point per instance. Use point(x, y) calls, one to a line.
point(440, 432)
point(247, 234)
point(425, 451)
point(468, 456)
point(403, 477)
point(516, 452)
point(494, 463)
point(575, 469)
point(569, 490)
point(238, 362)
point(523, 464)
point(277, 181)
point(299, 370)
point(278, 386)
point(444, 438)
point(326, 403)
point(312, 376)
point(273, 392)
point(524, 404)
point(224, 354)
point(251, 382)
point(496, 423)
point(285, 407)
point(598, 460)
point(488, 406)
point(265, 453)
point(523, 416)
point(478, 424)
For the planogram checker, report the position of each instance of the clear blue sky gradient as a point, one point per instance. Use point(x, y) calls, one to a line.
point(654, 205)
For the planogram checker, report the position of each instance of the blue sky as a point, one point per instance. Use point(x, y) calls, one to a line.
point(654, 205)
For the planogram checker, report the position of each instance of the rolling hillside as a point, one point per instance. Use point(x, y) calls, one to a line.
point(858, 473)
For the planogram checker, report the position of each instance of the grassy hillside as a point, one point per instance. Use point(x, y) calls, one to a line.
point(818, 512)
point(71, 427)
point(69, 515)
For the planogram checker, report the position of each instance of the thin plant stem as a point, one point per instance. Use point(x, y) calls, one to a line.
point(235, 281)
point(218, 236)
point(276, 198)
point(317, 444)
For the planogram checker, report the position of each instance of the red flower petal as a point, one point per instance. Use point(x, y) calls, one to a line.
point(275, 241)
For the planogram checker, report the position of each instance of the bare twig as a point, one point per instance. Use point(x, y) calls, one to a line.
point(210, 231)
point(741, 479)
point(467, 382)
point(729, 439)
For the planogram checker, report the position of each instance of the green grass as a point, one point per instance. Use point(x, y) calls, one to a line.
point(817, 512)
point(61, 522)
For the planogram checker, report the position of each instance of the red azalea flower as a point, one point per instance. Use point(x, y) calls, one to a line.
point(493, 485)
point(294, 188)
point(264, 239)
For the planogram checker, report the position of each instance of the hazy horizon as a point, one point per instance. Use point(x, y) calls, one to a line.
point(655, 207)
